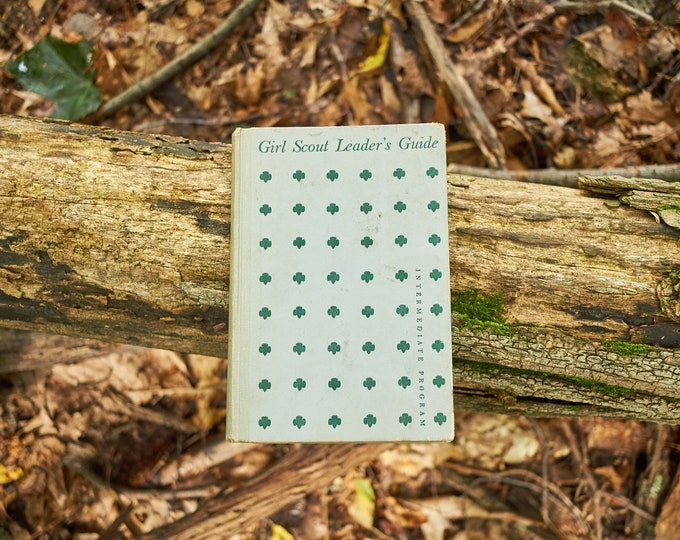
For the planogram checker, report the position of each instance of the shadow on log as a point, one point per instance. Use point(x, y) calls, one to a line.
point(124, 237)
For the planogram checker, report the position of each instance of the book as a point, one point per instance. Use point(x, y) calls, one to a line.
point(340, 320)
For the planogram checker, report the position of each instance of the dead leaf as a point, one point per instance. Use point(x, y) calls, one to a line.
point(362, 508)
point(645, 108)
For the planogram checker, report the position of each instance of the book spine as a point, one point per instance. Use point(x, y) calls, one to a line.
point(239, 257)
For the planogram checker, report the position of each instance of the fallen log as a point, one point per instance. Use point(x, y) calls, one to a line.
point(124, 237)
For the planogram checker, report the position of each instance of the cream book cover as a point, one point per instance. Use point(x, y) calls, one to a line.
point(339, 322)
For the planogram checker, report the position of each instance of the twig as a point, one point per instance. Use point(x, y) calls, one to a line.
point(481, 129)
point(183, 61)
point(569, 177)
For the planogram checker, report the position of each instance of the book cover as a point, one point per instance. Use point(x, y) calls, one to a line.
point(339, 323)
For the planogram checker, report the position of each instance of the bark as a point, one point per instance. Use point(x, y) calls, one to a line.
point(125, 237)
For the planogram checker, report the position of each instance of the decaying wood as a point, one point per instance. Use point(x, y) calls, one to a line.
point(125, 237)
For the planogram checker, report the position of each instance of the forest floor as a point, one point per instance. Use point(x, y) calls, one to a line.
point(124, 440)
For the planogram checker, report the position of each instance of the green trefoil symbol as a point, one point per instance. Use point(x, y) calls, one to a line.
point(432, 172)
point(264, 422)
point(299, 312)
point(399, 173)
point(438, 345)
point(333, 242)
point(404, 381)
point(369, 382)
point(366, 208)
point(332, 175)
point(365, 175)
point(332, 208)
point(401, 275)
point(333, 277)
point(436, 274)
point(368, 347)
point(265, 278)
point(367, 311)
point(299, 242)
point(433, 205)
point(265, 176)
point(403, 346)
point(440, 418)
point(400, 240)
point(264, 385)
point(366, 276)
point(334, 421)
point(265, 312)
point(333, 311)
point(265, 209)
point(334, 384)
point(434, 239)
point(405, 419)
point(299, 384)
point(299, 421)
point(299, 348)
point(299, 175)
point(298, 277)
point(436, 309)
point(299, 208)
point(333, 347)
point(438, 381)
point(402, 310)
point(400, 206)
point(265, 243)
point(370, 420)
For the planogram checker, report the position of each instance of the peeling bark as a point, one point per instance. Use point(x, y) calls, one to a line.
point(125, 237)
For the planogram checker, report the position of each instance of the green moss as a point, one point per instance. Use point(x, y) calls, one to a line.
point(601, 388)
point(480, 311)
point(626, 348)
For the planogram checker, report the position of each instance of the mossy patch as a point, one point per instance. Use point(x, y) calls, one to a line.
point(477, 310)
point(626, 348)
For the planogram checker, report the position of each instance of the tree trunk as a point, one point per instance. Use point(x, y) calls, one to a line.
point(125, 237)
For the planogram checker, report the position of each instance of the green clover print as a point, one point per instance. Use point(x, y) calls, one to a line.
point(264, 385)
point(299, 208)
point(367, 242)
point(298, 277)
point(265, 176)
point(369, 383)
point(436, 309)
point(333, 347)
point(438, 381)
point(265, 349)
point(438, 345)
point(404, 382)
point(400, 240)
point(332, 208)
point(334, 384)
point(265, 243)
point(298, 175)
point(436, 274)
point(299, 421)
point(432, 172)
point(365, 175)
point(403, 346)
point(405, 419)
point(332, 175)
point(440, 418)
point(299, 312)
point(299, 384)
point(265, 209)
point(368, 347)
point(367, 311)
point(264, 422)
point(334, 421)
point(433, 205)
point(401, 275)
point(370, 420)
point(333, 277)
point(402, 310)
point(366, 276)
point(299, 242)
point(434, 239)
point(265, 278)
point(399, 173)
point(366, 208)
point(400, 206)
point(299, 348)
point(333, 311)
point(265, 312)
point(332, 242)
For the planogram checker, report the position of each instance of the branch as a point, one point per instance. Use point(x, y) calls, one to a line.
point(182, 62)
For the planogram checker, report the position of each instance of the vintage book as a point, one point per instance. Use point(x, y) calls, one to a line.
point(339, 322)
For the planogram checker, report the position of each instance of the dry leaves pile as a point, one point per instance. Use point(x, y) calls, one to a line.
point(121, 441)
point(564, 84)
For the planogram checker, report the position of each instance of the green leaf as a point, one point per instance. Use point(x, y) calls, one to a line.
point(58, 70)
